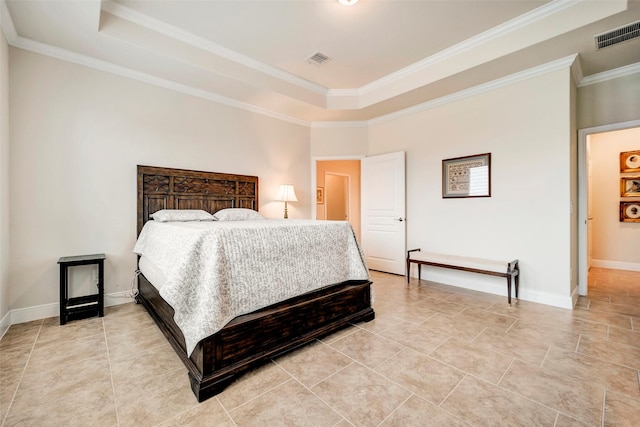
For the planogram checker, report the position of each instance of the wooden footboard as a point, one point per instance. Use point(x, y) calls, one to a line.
point(252, 339)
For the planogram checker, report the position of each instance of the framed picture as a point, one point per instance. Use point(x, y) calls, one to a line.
point(468, 176)
point(320, 195)
point(629, 211)
point(630, 186)
point(630, 161)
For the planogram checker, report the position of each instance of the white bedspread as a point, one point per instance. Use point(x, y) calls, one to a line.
point(219, 270)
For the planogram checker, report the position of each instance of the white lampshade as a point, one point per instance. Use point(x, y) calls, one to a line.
point(286, 193)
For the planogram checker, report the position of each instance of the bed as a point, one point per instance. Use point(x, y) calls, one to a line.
point(251, 339)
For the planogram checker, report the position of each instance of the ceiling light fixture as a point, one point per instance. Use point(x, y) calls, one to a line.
point(347, 2)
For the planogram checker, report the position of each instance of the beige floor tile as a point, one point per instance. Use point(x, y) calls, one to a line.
point(313, 363)
point(49, 355)
point(488, 319)
point(610, 351)
point(413, 313)
point(417, 412)
point(362, 396)
point(624, 336)
point(252, 384)
point(21, 335)
point(529, 350)
point(131, 342)
point(549, 335)
point(209, 412)
point(53, 332)
point(149, 401)
point(415, 337)
point(424, 376)
point(451, 307)
point(621, 411)
point(453, 327)
point(151, 361)
point(81, 370)
point(579, 399)
point(486, 364)
point(595, 371)
point(367, 348)
point(567, 421)
point(481, 403)
point(289, 404)
point(126, 318)
point(92, 407)
point(621, 309)
point(62, 381)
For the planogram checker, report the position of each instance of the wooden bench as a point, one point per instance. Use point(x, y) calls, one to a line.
point(507, 269)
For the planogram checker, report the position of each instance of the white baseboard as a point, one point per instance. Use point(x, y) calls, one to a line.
point(497, 286)
point(28, 314)
point(616, 265)
point(4, 324)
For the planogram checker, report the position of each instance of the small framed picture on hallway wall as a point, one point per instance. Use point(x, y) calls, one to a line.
point(629, 211)
point(630, 161)
point(630, 186)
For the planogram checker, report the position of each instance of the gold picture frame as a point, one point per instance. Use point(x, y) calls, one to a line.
point(629, 211)
point(630, 161)
point(630, 186)
point(468, 176)
point(320, 195)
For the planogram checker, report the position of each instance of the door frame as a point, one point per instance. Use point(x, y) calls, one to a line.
point(582, 194)
point(314, 171)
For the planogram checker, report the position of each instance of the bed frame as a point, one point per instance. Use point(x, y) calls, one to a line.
point(252, 339)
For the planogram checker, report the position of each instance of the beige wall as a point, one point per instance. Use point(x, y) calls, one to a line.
point(4, 184)
point(350, 168)
point(77, 136)
point(612, 101)
point(526, 126)
point(615, 243)
point(339, 141)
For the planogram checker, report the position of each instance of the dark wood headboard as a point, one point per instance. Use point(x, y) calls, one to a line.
point(166, 188)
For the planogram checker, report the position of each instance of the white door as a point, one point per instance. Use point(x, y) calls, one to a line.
point(383, 212)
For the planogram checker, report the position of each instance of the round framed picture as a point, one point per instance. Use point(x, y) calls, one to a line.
point(630, 161)
point(629, 211)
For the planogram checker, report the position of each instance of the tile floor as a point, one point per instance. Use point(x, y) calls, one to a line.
point(434, 356)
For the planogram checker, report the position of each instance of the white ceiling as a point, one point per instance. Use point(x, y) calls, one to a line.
point(386, 55)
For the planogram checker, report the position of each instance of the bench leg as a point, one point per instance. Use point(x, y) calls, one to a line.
point(509, 288)
point(517, 280)
point(408, 270)
point(419, 272)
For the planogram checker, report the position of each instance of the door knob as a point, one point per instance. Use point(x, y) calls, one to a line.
point(399, 219)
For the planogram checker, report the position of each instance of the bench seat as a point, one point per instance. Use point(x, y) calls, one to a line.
point(508, 269)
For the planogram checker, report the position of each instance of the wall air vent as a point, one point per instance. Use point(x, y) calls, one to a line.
point(318, 59)
point(618, 35)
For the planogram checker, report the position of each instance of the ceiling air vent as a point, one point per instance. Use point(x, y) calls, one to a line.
point(618, 35)
point(318, 59)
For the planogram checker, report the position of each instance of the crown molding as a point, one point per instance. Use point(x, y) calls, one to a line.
point(138, 18)
point(542, 12)
point(66, 55)
point(558, 64)
point(6, 22)
point(610, 75)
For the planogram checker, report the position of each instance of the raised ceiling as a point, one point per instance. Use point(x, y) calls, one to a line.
point(385, 55)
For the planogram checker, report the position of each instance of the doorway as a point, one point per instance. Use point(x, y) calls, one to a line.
point(336, 184)
point(336, 196)
point(603, 240)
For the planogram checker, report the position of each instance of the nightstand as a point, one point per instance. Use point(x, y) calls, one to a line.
point(85, 306)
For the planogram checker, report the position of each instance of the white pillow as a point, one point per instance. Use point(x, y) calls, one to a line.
point(237, 214)
point(166, 215)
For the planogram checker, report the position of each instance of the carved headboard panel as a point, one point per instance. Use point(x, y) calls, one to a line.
point(166, 188)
